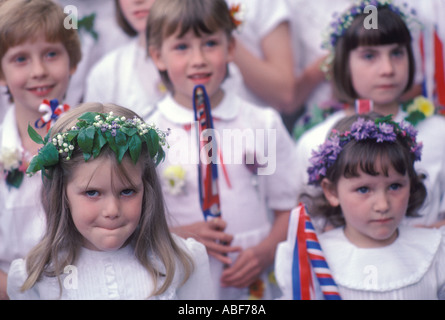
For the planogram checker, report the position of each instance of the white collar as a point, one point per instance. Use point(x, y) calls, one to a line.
point(10, 135)
point(227, 109)
point(398, 265)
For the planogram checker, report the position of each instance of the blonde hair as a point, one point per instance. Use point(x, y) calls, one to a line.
point(62, 242)
point(22, 20)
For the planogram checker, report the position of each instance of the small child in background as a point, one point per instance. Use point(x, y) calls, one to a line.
point(191, 43)
point(38, 56)
point(105, 216)
point(366, 172)
point(127, 75)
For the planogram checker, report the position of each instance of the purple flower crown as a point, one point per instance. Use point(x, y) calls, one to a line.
point(342, 22)
point(380, 130)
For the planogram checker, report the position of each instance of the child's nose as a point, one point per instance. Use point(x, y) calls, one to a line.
point(387, 66)
point(111, 208)
point(198, 57)
point(381, 203)
point(38, 68)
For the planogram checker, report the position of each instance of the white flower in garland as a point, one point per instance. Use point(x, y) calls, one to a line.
point(174, 177)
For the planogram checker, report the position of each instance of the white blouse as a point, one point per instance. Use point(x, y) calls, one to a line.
point(116, 275)
point(412, 267)
point(22, 219)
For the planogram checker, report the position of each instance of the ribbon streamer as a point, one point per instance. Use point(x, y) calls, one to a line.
point(208, 171)
point(52, 110)
point(309, 260)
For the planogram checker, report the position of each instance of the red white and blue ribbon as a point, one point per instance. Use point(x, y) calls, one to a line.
point(52, 111)
point(433, 64)
point(308, 260)
point(207, 172)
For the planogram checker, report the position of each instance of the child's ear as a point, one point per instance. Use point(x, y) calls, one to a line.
point(330, 192)
point(155, 54)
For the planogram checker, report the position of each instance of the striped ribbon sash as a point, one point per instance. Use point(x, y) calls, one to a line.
point(309, 260)
point(207, 170)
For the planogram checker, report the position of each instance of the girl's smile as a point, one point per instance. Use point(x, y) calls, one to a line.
point(192, 60)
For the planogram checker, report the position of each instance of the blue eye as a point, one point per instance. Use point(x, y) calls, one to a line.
point(363, 190)
point(51, 54)
point(399, 52)
point(20, 59)
point(181, 46)
point(127, 192)
point(395, 186)
point(211, 43)
point(91, 193)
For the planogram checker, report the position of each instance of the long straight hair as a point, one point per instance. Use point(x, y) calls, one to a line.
point(62, 241)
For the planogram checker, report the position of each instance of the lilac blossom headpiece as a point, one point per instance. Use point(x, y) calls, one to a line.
point(341, 22)
point(380, 130)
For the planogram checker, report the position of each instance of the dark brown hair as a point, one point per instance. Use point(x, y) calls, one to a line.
point(391, 29)
point(364, 156)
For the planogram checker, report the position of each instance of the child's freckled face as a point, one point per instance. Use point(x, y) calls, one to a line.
point(36, 70)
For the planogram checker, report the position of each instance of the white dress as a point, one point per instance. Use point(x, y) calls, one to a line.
point(410, 268)
point(430, 132)
point(246, 199)
point(22, 219)
point(115, 275)
point(126, 77)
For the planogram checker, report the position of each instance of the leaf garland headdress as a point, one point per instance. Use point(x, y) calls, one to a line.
point(380, 130)
point(91, 133)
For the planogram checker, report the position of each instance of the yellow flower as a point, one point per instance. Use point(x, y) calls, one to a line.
point(175, 177)
point(424, 105)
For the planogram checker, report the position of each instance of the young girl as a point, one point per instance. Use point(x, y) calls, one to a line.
point(190, 41)
point(378, 65)
point(366, 171)
point(105, 216)
point(38, 55)
point(127, 75)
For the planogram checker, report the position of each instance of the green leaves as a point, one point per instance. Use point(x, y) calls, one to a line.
point(92, 132)
point(34, 135)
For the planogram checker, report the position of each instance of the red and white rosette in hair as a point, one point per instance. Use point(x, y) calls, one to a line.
point(52, 111)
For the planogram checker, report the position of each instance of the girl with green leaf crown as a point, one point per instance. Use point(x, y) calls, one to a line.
point(105, 216)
